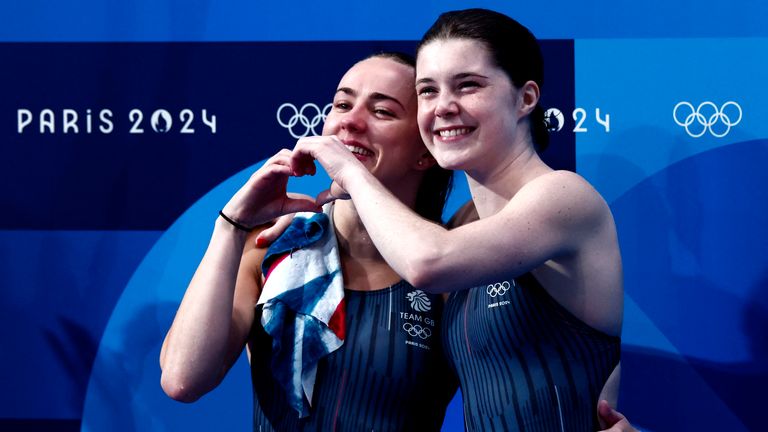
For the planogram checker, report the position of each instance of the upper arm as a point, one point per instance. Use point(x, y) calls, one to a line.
point(548, 218)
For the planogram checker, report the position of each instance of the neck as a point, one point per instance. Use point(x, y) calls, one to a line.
point(492, 189)
point(363, 267)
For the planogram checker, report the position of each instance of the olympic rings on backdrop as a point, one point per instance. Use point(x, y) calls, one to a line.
point(417, 330)
point(706, 119)
point(302, 116)
point(497, 289)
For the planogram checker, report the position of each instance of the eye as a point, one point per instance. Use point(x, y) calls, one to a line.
point(468, 85)
point(342, 105)
point(426, 91)
point(383, 112)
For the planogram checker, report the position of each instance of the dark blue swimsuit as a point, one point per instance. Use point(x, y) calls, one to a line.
point(390, 374)
point(524, 362)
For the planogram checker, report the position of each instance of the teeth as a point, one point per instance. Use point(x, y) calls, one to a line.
point(359, 150)
point(453, 132)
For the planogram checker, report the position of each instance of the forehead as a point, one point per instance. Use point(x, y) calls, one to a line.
point(453, 56)
point(380, 75)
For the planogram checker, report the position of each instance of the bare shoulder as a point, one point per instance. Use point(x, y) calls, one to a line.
point(563, 194)
point(563, 207)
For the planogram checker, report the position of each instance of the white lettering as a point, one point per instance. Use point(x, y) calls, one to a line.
point(210, 123)
point(135, 116)
point(416, 344)
point(187, 116)
point(579, 115)
point(606, 123)
point(410, 316)
point(23, 119)
point(106, 119)
point(69, 120)
point(46, 121)
point(497, 304)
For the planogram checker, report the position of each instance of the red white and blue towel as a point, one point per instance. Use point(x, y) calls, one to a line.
point(303, 303)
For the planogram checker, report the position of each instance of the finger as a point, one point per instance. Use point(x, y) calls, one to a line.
point(294, 205)
point(326, 196)
point(269, 235)
point(338, 191)
point(272, 167)
point(302, 165)
point(608, 415)
point(303, 159)
point(283, 154)
point(280, 160)
point(274, 171)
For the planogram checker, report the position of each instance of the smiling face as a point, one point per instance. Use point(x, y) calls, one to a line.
point(374, 115)
point(469, 110)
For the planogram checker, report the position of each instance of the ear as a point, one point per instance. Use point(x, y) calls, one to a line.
point(529, 95)
point(425, 162)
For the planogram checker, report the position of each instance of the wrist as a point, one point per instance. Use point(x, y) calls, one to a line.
point(351, 176)
point(235, 223)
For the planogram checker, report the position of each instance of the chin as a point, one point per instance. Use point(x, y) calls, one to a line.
point(452, 164)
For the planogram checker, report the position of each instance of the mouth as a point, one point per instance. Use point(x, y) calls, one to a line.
point(451, 133)
point(360, 152)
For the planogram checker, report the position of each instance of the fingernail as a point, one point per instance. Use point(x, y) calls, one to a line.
point(261, 242)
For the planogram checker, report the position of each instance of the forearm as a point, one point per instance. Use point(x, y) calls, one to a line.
point(412, 245)
point(197, 348)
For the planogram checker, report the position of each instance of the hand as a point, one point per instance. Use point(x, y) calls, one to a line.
point(264, 196)
point(269, 235)
point(612, 419)
point(336, 159)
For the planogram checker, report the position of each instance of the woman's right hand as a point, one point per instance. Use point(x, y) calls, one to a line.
point(264, 196)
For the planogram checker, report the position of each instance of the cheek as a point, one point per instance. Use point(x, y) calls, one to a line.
point(331, 125)
point(424, 120)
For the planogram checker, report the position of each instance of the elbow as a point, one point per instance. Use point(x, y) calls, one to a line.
point(178, 389)
point(424, 274)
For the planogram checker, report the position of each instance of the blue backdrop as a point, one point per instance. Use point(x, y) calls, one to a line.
point(124, 127)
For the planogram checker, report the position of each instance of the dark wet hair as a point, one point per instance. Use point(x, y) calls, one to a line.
point(437, 182)
point(512, 46)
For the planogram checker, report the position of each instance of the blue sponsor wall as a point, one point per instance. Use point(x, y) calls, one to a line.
point(124, 127)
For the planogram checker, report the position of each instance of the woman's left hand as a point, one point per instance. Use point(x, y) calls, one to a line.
point(612, 420)
point(339, 163)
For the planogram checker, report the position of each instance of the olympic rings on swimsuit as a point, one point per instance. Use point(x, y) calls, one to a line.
point(417, 330)
point(497, 289)
point(300, 116)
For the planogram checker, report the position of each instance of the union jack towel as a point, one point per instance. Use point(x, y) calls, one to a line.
point(303, 303)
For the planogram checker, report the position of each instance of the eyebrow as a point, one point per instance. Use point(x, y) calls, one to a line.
point(458, 76)
point(375, 96)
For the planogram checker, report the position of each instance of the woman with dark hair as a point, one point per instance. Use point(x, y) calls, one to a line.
point(377, 354)
point(533, 322)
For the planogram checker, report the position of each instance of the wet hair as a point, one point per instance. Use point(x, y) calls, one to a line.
point(396, 56)
point(512, 46)
point(437, 182)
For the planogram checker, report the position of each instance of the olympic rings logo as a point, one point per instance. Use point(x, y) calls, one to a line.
point(497, 289)
point(417, 330)
point(705, 116)
point(309, 116)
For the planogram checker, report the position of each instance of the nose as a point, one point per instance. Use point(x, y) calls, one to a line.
point(446, 105)
point(354, 120)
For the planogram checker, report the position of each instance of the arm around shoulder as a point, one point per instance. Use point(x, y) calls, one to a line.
point(550, 217)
